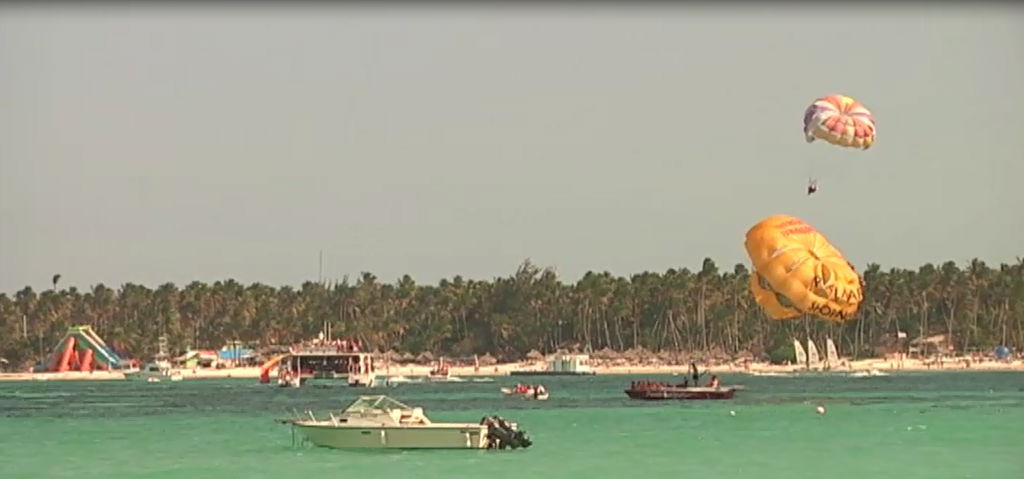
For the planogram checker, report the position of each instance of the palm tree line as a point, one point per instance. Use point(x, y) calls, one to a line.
point(703, 314)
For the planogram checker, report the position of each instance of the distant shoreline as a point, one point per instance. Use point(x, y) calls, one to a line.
point(394, 370)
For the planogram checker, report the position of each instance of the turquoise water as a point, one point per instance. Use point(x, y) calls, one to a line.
point(910, 425)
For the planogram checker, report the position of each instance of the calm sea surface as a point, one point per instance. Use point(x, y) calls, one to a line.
point(908, 425)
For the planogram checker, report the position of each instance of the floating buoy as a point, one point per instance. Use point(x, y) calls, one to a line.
point(820, 410)
point(732, 413)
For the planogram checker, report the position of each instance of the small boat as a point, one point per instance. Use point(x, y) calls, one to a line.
point(538, 392)
point(154, 372)
point(395, 380)
point(651, 390)
point(867, 374)
point(384, 423)
point(441, 374)
point(158, 369)
point(363, 380)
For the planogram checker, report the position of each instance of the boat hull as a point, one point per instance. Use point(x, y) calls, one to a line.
point(681, 393)
point(465, 436)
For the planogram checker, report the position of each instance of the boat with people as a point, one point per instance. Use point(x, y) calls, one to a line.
point(382, 422)
point(655, 390)
point(689, 389)
point(440, 371)
point(538, 392)
point(441, 374)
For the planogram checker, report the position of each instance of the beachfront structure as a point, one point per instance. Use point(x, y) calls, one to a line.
point(562, 365)
point(321, 360)
point(935, 345)
point(198, 358)
point(81, 349)
point(237, 357)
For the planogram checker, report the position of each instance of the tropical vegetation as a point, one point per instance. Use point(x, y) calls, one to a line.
point(708, 312)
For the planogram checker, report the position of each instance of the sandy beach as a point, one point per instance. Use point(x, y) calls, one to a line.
point(503, 369)
point(852, 366)
point(65, 376)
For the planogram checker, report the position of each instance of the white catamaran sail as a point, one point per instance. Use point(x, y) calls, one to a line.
point(801, 355)
point(831, 355)
point(813, 360)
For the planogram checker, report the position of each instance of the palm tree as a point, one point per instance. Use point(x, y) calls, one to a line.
point(677, 310)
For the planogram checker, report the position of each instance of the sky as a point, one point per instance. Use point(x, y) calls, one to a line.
point(170, 143)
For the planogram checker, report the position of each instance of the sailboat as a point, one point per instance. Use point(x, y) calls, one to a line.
point(801, 355)
point(813, 360)
point(831, 355)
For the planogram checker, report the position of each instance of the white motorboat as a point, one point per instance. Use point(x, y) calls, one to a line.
point(396, 380)
point(158, 369)
point(363, 380)
point(382, 422)
point(868, 374)
point(155, 372)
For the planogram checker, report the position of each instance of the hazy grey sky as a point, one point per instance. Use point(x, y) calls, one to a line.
point(173, 143)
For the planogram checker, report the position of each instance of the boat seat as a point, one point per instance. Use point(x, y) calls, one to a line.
point(410, 417)
point(418, 417)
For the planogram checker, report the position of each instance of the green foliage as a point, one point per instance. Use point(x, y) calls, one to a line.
point(705, 313)
point(783, 354)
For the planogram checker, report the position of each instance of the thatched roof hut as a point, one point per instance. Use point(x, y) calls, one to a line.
point(606, 354)
point(637, 355)
point(488, 360)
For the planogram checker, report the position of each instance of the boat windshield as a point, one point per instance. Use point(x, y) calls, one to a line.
point(374, 404)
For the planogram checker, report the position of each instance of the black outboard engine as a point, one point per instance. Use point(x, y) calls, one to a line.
point(502, 434)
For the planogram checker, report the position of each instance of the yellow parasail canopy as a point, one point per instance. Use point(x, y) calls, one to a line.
point(796, 271)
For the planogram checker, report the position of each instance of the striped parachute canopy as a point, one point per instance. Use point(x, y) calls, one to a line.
point(840, 120)
point(797, 271)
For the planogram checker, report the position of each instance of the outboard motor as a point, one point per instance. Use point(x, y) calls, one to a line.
point(502, 434)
